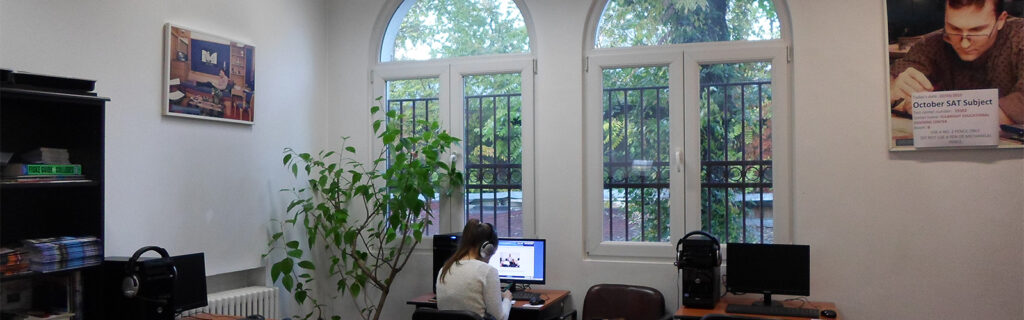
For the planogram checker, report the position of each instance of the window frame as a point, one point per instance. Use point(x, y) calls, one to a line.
point(451, 217)
point(684, 93)
point(593, 148)
point(451, 75)
point(524, 65)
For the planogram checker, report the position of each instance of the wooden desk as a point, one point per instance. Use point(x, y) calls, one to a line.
point(554, 305)
point(694, 313)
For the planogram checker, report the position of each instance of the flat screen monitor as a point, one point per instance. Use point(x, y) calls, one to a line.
point(520, 260)
point(190, 289)
point(768, 269)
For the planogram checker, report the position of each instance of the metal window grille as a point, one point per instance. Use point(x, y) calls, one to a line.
point(736, 176)
point(417, 109)
point(636, 167)
point(494, 184)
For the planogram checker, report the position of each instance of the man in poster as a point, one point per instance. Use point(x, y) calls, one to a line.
point(979, 47)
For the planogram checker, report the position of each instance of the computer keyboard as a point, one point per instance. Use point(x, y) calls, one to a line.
point(524, 295)
point(773, 311)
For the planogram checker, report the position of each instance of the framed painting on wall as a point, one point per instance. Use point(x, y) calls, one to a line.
point(207, 76)
point(956, 74)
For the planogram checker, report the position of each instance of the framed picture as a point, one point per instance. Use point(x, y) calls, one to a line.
point(208, 77)
point(955, 74)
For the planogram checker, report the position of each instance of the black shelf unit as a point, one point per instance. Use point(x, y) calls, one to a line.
point(49, 114)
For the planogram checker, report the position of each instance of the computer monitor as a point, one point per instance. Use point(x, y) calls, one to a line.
point(768, 269)
point(520, 260)
point(190, 288)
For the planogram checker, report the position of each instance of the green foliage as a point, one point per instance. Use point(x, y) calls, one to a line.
point(458, 28)
point(365, 251)
point(628, 23)
point(735, 126)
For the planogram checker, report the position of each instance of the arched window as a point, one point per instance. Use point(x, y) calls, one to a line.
point(425, 71)
point(435, 29)
point(686, 101)
point(630, 23)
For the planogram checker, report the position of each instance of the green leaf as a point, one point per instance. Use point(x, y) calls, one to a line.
point(288, 282)
point(300, 296)
point(287, 158)
point(295, 253)
point(350, 236)
point(389, 137)
point(350, 149)
point(275, 237)
point(306, 264)
point(294, 244)
point(275, 271)
point(354, 289)
point(322, 182)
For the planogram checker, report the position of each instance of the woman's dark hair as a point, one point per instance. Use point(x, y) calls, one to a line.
point(474, 235)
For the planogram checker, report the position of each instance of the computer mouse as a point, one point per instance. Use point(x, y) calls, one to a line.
point(536, 301)
point(828, 313)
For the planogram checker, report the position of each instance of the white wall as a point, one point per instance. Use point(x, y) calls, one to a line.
point(183, 184)
point(919, 235)
point(893, 235)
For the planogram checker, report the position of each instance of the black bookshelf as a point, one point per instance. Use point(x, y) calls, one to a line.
point(41, 111)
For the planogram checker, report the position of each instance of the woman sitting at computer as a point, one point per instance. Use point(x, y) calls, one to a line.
point(467, 282)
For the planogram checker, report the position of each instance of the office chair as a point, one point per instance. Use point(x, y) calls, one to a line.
point(715, 316)
point(434, 314)
point(629, 302)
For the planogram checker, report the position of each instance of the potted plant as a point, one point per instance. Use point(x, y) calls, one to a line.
point(367, 218)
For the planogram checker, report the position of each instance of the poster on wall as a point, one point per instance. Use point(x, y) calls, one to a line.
point(956, 74)
point(207, 76)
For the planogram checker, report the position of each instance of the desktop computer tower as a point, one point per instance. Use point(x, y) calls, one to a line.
point(444, 247)
point(154, 297)
point(699, 260)
point(701, 287)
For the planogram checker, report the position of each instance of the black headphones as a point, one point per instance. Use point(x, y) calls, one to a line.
point(487, 249)
point(679, 247)
point(131, 284)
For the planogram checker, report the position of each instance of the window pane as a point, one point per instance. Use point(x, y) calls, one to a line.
point(736, 155)
point(494, 170)
point(636, 154)
point(416, 100)
point(433, 29)
point(628, 23)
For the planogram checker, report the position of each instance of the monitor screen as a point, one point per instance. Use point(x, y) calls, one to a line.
point(190, 289)
point(768, 268)
point(520, 260)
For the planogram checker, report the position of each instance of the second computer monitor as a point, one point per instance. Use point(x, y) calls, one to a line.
point(768, 269)
point(520, 260)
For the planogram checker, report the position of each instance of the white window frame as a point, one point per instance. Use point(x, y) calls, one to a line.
point(684, 61)
point(451, 75)
point(524, 65)
point(593, 148)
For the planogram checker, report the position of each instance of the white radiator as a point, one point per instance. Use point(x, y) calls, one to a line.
point(243, 302)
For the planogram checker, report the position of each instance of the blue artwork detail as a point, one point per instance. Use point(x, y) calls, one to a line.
point(210, 57)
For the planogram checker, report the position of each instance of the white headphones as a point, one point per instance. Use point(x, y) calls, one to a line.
point(487, 249)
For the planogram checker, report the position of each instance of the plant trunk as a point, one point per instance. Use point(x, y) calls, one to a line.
point(380, 303)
